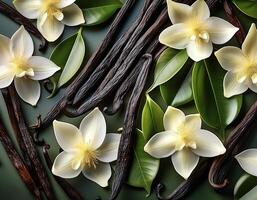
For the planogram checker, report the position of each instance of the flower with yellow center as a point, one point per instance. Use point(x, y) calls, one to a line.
point(241, 65)
point(194, 30)
point(183, 140)
point(88, 149)
point(51, 15)
point(17, 64)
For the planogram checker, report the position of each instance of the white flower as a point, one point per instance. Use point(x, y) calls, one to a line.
point(194, 30)
point(241, 65)
point(51, 15)
point(248, 161)
point(88, 149)
point(184, 140)
point(18, 64)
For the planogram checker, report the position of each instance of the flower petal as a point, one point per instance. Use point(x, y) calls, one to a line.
point(252, 86)
point(108, 151)
point(73, 15)
point(50, 27)
point(249, 46)
point(162, 144)
point(231, 85)
point(231, 58)
point(208, 144)
point(173, 118)
point(64, 3)
point(6, 76)
point(176, 36)
point(21, 44)
point(28, 90)
point(193, 122)
point(184, 162)
point(178, 12)
point(100, 175)
point(5, 56)
point(248, 161)
point(200, 10)
point(199, 50)
point(62, 166)
point(220, 31)
point(67, 135)
point(43, 68)
point(93, 128)
point(28, 8)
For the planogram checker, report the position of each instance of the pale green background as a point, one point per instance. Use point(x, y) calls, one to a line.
point(12, 188)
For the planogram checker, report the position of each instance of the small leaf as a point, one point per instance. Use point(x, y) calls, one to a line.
point(99, 15)
point(152, 118)
point(69, 55)
point(207, 83)
point(248, 7)
point(144, 167)
point(168, 65)
point(244, 185)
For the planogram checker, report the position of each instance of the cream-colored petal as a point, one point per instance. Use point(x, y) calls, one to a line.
point(184, 162)
point(231, 58)
point(173, 118)
point(249, 46)
point(252, 86)
point(43, 68)
point(162, 144)
point(178, 12)
point(28, 90)
point(62, 166)
point(73, 15)
point(193, 122)
point(6, 76)
point(220, 31)
point(232, 86)
point(200, 10)
point(208, 144)
point(93, 128)
point(100, 175)
point(64, 3)
point(108, 151)
point(21, 44)
point(50, 27)
point(248, 161)
point(176, 36)
point(29, 8)
point(67, 135)
point(5, 55)
point(199, 50)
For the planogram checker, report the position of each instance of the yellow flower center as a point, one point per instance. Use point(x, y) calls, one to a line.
point(49, 7)
point(197, 30)
point(21, 68)
point(249, 72)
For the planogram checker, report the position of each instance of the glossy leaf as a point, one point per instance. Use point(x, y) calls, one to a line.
point(248, 7)
point(144, 167)
point(69, 55)
point(251, 195)
point(207, 83)
point(244, 185)
point(168, 65)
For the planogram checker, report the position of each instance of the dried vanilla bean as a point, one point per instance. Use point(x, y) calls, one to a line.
point(20, 19)
point(71, 192)
point(129, 128)
point(18, 163)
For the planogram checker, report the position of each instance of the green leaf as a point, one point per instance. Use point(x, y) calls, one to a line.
point(168, 65)
point(144, 167)
point(93, 3)
point(99, 15)
point(68, 55)
point(244, 185)
point(248, 7)
point(152, 118)
point(207, 83)
point(251, 195)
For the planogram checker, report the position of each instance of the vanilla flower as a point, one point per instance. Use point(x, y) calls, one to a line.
point(248, 161)
point(88, 149)
point(194, 30)
point(17, 64)
point(183, 140)
point(51, 15)
point(241, 65)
